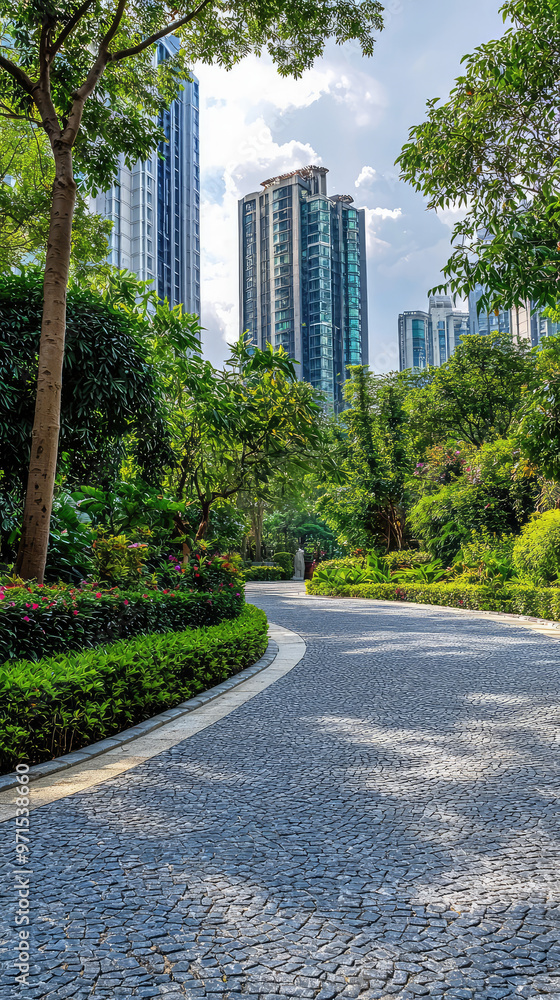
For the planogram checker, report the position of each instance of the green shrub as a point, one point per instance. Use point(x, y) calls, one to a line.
point(375, 569)
point(484, 558)
point(407, 558)
point(264, 573)
point(118, 560)
point(39, 621)
point(536, 553)
point(519, 599)
point(286, 561)
point(64, 702)
point(496, 493)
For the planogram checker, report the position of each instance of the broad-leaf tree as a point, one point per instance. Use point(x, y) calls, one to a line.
point(368, 506)
point(233, 431)
point(476, 395)
point(493, 148)
point(26, 179)
point(85, 73)
point(110, 406)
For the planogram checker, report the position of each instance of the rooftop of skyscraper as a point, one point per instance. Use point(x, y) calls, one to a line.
point(305, 172)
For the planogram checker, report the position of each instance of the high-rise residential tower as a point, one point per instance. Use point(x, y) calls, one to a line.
point(302, 276)
point(155, 207)
point(430, 338)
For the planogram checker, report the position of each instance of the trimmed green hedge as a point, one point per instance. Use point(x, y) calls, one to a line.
point(264, 573)
point(518, 599)
point(286, 561)
point(62, 703)
point(37, 622)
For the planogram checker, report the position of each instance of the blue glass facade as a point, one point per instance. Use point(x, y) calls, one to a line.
point(303, 276)
point(155, 207)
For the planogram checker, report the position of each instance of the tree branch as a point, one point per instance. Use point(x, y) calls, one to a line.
point(96, 72)
point(174, 26)
point(18, 74)
point(68, 29)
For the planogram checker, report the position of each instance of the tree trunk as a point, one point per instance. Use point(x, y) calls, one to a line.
point(257, 519)
point(203, 526)
point(33, 547)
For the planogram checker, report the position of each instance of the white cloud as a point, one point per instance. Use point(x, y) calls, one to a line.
point(366, 176)
point(382, 213)
point(241, 112)
point(450, 216)
point(237, 152)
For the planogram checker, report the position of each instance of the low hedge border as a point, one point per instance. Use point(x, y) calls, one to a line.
point(516, 599)
point(45, 621)
point(264, 573)
point(52, 706)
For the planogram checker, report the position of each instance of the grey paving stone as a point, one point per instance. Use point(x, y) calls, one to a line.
point(382, 822)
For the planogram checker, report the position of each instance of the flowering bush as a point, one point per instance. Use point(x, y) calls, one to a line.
point(200, 570)
point(119, 559)
point(39, 621)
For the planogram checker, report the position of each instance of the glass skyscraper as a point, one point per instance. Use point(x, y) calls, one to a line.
point(302, 276)
point(155, 207)
point(430, 338)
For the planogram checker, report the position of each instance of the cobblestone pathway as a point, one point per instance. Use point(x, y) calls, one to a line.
point(382, 822)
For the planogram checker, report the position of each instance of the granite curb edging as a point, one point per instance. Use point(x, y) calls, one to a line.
point(49, 767)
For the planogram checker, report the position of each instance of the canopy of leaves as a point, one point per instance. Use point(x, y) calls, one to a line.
point(366, 504)
point(109, 395)
point(232, 431)
point(476, 395)
point(103, 52)
point(540, 429)
point(496, 492)
point(494, 148)
point(26, 178)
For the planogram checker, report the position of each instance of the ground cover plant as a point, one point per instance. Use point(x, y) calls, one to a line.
point(58, 704)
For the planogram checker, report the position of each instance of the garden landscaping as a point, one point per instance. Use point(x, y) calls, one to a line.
point(540, 602)
point(62, 702)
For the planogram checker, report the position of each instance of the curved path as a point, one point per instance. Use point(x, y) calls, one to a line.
point(383, 821)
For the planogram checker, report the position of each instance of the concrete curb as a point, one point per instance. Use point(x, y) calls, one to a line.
point(51, 767)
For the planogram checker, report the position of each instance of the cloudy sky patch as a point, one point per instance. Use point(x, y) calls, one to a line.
point(351, 115)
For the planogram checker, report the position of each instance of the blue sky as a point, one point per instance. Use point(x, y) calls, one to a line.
point(351, 115)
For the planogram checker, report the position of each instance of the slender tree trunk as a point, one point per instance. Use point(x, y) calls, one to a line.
point(33, 547)
point(257, 518)
point(203, 526)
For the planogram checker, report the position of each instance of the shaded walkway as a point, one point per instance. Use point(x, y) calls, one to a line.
point(381, 822)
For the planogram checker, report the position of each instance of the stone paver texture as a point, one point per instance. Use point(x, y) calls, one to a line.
point(382, 822)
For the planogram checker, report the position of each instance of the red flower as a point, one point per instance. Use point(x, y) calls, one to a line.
point(26, 619)
point(34, 606)
point(98, 595)
point(74, 612)
point(126, 602)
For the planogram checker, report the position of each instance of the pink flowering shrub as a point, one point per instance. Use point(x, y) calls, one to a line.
point(40, 621)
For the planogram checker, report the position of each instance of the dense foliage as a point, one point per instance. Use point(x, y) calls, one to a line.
point(39, 621)
point(109, 397)
point(493, 148)
point(62, 703)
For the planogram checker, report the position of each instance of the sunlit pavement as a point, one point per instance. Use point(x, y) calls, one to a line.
point(383, 821)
